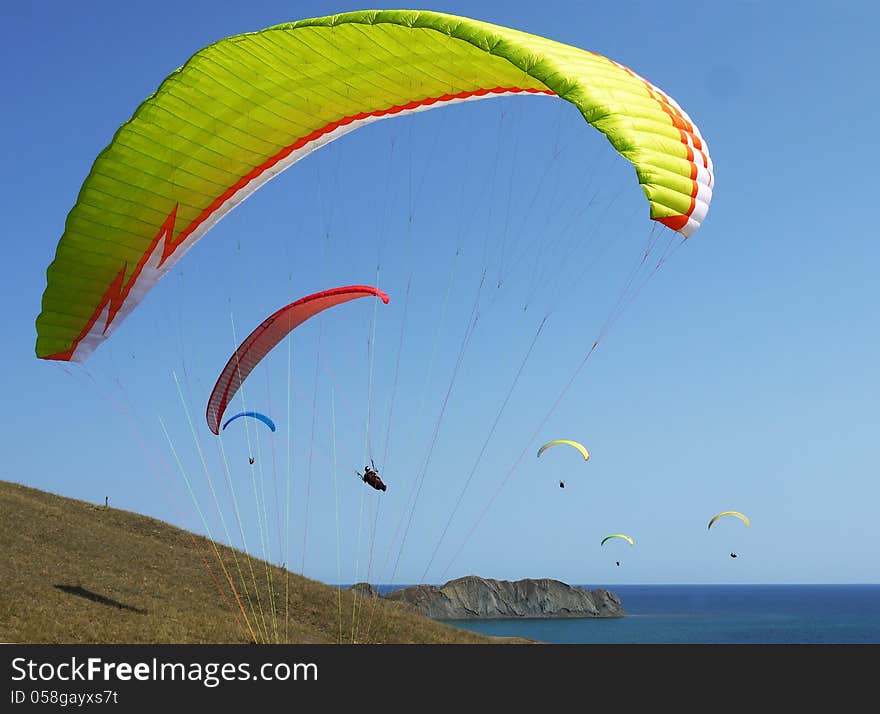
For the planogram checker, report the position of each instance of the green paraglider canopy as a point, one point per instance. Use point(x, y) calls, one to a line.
point(245, 108)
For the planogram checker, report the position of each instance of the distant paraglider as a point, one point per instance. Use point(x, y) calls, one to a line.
point(575, 444)
point(255, 415)
point(612, 537)
point(734, 514)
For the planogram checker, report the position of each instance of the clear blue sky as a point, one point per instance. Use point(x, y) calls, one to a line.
point(743, 375)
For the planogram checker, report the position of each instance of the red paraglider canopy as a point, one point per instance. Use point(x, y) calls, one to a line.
point(267, 335)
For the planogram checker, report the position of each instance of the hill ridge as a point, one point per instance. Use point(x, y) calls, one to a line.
point(76, 572)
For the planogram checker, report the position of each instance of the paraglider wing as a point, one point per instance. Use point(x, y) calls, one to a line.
point(576, 445)
point(735, 514)
point(269, 333)
point(256, 415)
point(245, 108)
point(617, 535)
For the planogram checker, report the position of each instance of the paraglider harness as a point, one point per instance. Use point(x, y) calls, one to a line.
point(371, 476)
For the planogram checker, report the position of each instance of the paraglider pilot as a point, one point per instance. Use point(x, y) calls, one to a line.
point(371, 476)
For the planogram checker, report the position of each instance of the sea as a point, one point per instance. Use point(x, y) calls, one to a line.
point(713, 614)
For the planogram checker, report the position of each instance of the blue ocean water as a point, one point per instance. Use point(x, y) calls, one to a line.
point(715, 614)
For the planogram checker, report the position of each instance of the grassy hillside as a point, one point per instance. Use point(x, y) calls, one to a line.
point(72, 571)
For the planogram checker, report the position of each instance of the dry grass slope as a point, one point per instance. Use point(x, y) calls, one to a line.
point(72, 571)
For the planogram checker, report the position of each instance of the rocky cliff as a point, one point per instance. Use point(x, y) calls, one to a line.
point(365, 590)
point(473, 597)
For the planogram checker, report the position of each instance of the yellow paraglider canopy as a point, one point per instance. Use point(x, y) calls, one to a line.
point(575, 444)
point(735, 514)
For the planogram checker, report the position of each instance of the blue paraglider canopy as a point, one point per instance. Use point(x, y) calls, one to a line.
point(256, 415)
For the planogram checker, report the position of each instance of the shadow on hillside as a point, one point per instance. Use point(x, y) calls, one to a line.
point(80, 591)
